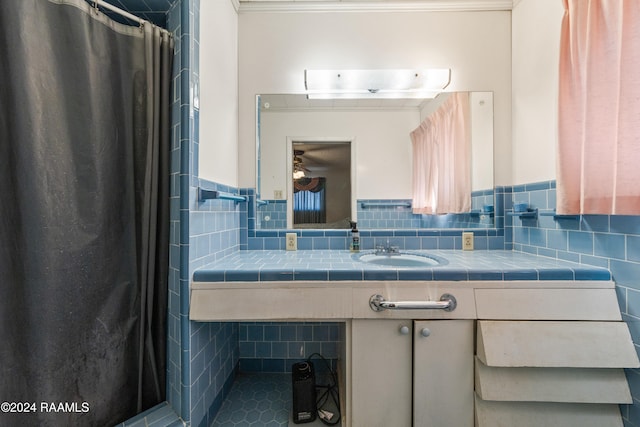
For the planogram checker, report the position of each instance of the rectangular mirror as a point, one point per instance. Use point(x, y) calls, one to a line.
point(378, 173)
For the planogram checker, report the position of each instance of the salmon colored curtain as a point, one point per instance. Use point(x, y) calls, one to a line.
point(599, 108)
point(442, 159)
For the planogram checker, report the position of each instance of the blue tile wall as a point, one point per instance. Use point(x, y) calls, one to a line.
point(436, 235)
point(179, 368)
point(202, 357)
point(611, 241)
point(372, 214)
point(481, 199)
point(273, 215)
point(154, 11)
point(214, 361)
point(400, 216)
point(275, 346)
point(211, 349)
point(178, 237)
point(214, 225)
point(412, 239)
point(214, 232)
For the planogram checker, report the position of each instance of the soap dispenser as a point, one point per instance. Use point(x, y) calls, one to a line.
point(355, 237)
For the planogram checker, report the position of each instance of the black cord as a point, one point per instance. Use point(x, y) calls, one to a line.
point(330, 392)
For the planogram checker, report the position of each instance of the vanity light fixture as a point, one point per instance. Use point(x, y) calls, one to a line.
point(356, 84)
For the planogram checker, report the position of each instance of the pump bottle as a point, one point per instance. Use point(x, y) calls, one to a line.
point(355, 238)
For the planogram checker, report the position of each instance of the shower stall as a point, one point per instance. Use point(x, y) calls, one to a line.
point(84, 216)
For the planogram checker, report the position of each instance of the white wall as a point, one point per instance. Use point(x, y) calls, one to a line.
point(536, 44)
point(383, 147)
point(276, 48)
point(481, 105)
point(218, 160)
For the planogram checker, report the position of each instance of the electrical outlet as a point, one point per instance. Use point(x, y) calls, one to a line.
point(277, 194)
point(292, 241)
point(467, 241)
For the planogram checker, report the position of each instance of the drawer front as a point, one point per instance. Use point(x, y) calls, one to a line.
point(270, 304)
point(568, 385)
point(554, 344)
point(548, 304)
point(536, 414)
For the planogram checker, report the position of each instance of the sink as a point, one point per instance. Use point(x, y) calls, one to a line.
point(401, 260)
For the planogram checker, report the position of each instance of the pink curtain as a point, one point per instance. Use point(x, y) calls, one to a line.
point(442, 159)
point(599, 108)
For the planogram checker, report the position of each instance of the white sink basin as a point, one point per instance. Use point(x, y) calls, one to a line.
point(400, 260)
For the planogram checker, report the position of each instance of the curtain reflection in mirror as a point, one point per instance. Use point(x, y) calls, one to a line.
point(442, 159)
point(309, 201)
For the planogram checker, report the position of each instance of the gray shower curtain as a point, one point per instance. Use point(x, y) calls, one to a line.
point(84, 192)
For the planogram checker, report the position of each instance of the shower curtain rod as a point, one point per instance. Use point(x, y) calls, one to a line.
point(118, 11)
point(124, 13)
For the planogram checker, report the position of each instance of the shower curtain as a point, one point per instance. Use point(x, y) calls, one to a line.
point(84, 146)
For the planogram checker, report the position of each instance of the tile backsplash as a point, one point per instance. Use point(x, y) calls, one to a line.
point(391, 214)
point(387, 213)
point(272, 215)
point(275, 346)
point(610, 241)
point(379, 223)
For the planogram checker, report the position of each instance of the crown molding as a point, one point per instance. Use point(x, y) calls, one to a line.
point(249, 6)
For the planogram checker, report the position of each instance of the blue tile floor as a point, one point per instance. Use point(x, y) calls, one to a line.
point(254, 400)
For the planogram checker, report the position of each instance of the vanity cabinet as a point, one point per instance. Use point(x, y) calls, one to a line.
point(547, 353)
point(412, 373)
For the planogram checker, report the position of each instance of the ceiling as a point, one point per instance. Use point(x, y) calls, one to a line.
point(155, 11)
point(380, 5)
point(319, 157)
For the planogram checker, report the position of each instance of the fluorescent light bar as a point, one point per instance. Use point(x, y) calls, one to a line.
point(403, 83)
point(378, 95)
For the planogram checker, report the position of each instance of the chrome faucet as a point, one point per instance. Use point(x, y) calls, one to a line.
point(387, 250)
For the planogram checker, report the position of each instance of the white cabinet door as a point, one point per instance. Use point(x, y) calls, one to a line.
point(443, 373)
point(381, 373)
point(388, 356)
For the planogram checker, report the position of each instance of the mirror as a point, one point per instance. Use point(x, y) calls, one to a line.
point(380, 164)
point(321, 180)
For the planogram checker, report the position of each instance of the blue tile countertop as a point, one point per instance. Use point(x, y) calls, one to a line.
point(336, 265)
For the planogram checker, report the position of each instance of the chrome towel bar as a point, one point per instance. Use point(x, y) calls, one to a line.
point(385, 204)
point(204, 194)
point(447, 303)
